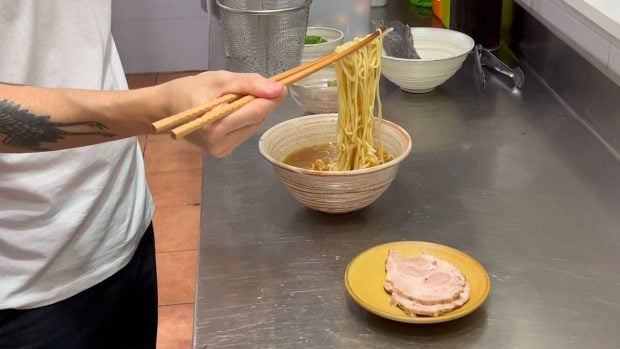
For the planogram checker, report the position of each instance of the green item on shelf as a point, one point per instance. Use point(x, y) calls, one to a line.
point(445, 13)
point(422, 3)
point(423, 11)
point(314, 39)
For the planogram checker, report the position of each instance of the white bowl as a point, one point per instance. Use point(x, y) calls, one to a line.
point(333, 36)
point(330, 191)
point(442, 53)
point(318, 92)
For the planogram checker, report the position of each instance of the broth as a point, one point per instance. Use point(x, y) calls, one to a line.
point(315, 157)
point(318, 157)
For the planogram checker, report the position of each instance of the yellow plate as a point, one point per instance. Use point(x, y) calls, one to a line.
point(366, 273)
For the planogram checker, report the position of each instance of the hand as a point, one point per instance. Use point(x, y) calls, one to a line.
point(223, 136)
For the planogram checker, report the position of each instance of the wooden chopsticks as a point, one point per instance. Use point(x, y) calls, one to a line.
point(195, 118)
point(191, 114)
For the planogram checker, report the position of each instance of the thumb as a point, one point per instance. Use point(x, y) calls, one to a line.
point(256, 85)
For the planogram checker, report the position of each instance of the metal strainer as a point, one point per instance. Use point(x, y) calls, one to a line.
point(264, 36)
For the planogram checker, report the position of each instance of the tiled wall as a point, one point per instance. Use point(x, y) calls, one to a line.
point(161, 35)
point(596, 42)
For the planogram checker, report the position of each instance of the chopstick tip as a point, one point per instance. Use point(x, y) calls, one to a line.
point(384, 29)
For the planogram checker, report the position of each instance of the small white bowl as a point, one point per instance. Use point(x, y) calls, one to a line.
point(318, 92)
point(442, 53)
point(333, 36)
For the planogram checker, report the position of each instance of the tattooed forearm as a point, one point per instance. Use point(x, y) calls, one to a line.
point(23, 129)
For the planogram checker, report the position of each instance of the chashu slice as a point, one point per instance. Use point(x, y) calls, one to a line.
point(412, 308)
point(424, 280)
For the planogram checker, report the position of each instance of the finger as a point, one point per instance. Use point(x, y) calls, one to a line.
point(254, 84)
point(252, 115)
point(224, 146)
point(254, 112)
point(234, 139)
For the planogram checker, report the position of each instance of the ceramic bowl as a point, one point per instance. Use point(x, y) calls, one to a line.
point(333, 36)
point(442, 53)
point(318, 92)
point(337, 191)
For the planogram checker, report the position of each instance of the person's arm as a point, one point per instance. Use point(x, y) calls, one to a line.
point(39, 119)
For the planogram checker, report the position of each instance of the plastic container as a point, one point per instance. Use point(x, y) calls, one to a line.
point(437, 9)
point(445, 13)
point(441, 10)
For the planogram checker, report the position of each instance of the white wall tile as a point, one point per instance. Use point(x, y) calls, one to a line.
point(595, 24)
point(589, 41)
point(161, 45)
point(614, 60)
point(604, 13)
point(150, 9)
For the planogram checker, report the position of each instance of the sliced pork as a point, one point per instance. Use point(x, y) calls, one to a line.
point(424, 285)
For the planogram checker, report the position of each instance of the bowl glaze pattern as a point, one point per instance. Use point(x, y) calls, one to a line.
point(335, 191)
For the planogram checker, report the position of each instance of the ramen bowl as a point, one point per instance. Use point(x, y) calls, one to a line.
point(331, 192)
point(442, 53)
point(318, 92)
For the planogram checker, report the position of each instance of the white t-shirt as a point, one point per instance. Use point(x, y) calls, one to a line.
point(71, 218)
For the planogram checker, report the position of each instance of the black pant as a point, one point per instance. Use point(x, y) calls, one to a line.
point(119, 312)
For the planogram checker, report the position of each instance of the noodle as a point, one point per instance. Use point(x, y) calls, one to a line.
point(358, 76)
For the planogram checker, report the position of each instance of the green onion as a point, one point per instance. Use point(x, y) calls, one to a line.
point(314, 39)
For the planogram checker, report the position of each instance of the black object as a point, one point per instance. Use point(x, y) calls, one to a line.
point(399, 42)
point(480, 19)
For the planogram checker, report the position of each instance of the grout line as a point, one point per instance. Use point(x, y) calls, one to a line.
point(171, 305)
point(188, 250)
point(609, 54)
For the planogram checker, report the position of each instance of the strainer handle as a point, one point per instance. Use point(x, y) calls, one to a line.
point(306, 3)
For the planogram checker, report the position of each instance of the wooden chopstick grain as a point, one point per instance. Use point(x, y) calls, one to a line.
point(191, 114)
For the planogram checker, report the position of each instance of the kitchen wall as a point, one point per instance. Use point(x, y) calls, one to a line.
point(171, 35)
point(161, 35)
point(591, 27)
point(167, 35)
point(350, 16)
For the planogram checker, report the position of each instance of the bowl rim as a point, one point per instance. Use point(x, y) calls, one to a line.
point(329, 42)
point(394, 162)
point(471, 44)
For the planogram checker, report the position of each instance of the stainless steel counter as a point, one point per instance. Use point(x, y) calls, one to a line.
point(514, 180)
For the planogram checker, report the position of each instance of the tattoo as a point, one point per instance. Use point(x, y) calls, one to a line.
point(26, 130)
